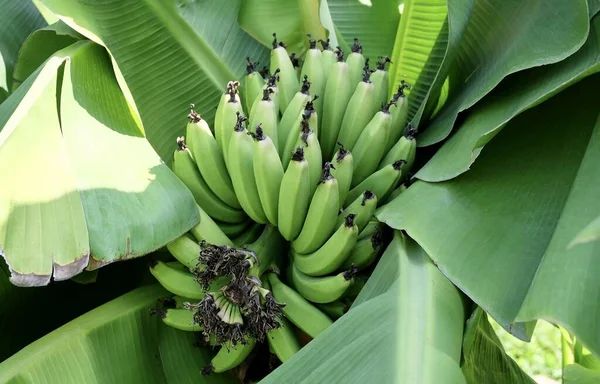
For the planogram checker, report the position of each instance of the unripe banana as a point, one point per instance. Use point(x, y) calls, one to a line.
point(185, 168)
point(235, 229)
point(229, 357)
point(241, 166)
point(399, 112)
point(292, 115)
point(338, 92)
point(328, 58)
point(322, 289)
point(405, 149)
point(380, 80)
point(312, 152)
point(180, 318)
point(297, 309)
point(343, 168)
point(296, 63)
point(272, 82)
point(322, 215)
point(370, 145)
point(249, 235)
point(364, 253)
point(177, 281)
point(226, 115)
point(359, 283)
point(283, 342)
point(332, 254)
point(185, 250)
point(363, 208)
point(381, 183)
point(334, 310)
point(209, 159)
point(356, 62)
point(294, 138)
point(288, 83)
point(252, 85)
point(294, 196)
point(313, 69)
point(208, 230)
point(372, 226)
point(358, 112)
point(268, 173)
point(265, 114)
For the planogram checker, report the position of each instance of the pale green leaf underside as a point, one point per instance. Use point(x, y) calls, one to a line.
point(166, 63)
point(512, 96)
point(504, 37)
point(419, 49)
point(88, 189)
point(508, 221)
point(412, 333)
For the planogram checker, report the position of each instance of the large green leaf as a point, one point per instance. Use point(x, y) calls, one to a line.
point(485, 360)
point(410, 334)
point(504, 37)
point(166, 63)
point(118, 342)
point(501, 231)
point(94, 191)
point(17, 20)
point(513, 95)
point(576, 374)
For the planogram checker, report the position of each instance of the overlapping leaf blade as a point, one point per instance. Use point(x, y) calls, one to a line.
point(507, 223)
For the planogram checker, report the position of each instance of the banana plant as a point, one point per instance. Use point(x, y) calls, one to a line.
point(499, 219)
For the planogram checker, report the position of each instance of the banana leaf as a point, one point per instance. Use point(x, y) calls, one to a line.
point(118, 342)
point(17, 20)
point(166, 62)
point(501, 232)
point(577, 374)
point(411, 333)
point(84, 188)
point(504, 37)
point(514, 95)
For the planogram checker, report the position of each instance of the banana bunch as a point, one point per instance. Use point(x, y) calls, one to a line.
point(287, 183)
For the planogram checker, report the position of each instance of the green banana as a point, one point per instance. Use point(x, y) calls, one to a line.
point(343, 168)
point(372, 226)
point(356, 62)
point(381, 183)
point(313, 69)
point(360, 280)
point(297, 309)
point(177, 281)
point(370, 145)
point(307, 120)
point(328, 57)
point(229, 357)
point(292, 114)
point(365, 252)
point(253, 85)
point(332, 254)
point(265, 114)
point(283, 341)
point(312, 152)
point(226, 115)
point(358, 112)
point(268, 173)
point(294, 196)
point(288, 83)
point(296, 63)
point(406, 149)
point(240, 164)
point(322, 215)
point(185, 250)
point(338, 92)
point(185, 168)
point(234, 229)
point(209, 159)
point(363, 208)
point(399, 112)
point(272, 81)
point(249, 235)
point(335, 309)
point(208, 230)
point(380, 80)
point(180, 318)
point(322, 289)
point(268, 249)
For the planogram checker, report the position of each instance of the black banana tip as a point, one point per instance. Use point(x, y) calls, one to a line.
point(350, 220)
point(259, 135)
point(312, 43)
point(325, 44)
point(351, 272)
point(181, 143)
point(377, 238)
point(400, 93)
point(356, 47)
point(168, 302)
point(158, 312)
point(383, 60)
point(294, 59)
point(193, 115)
point(298, 154)
point(397, 164)
point(305, 85)
point(410, 131)
point(339, 54)
point(207, 370)
point(327, 172)
point(367, 195)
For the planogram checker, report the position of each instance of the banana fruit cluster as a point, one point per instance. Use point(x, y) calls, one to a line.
point(287, 183)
